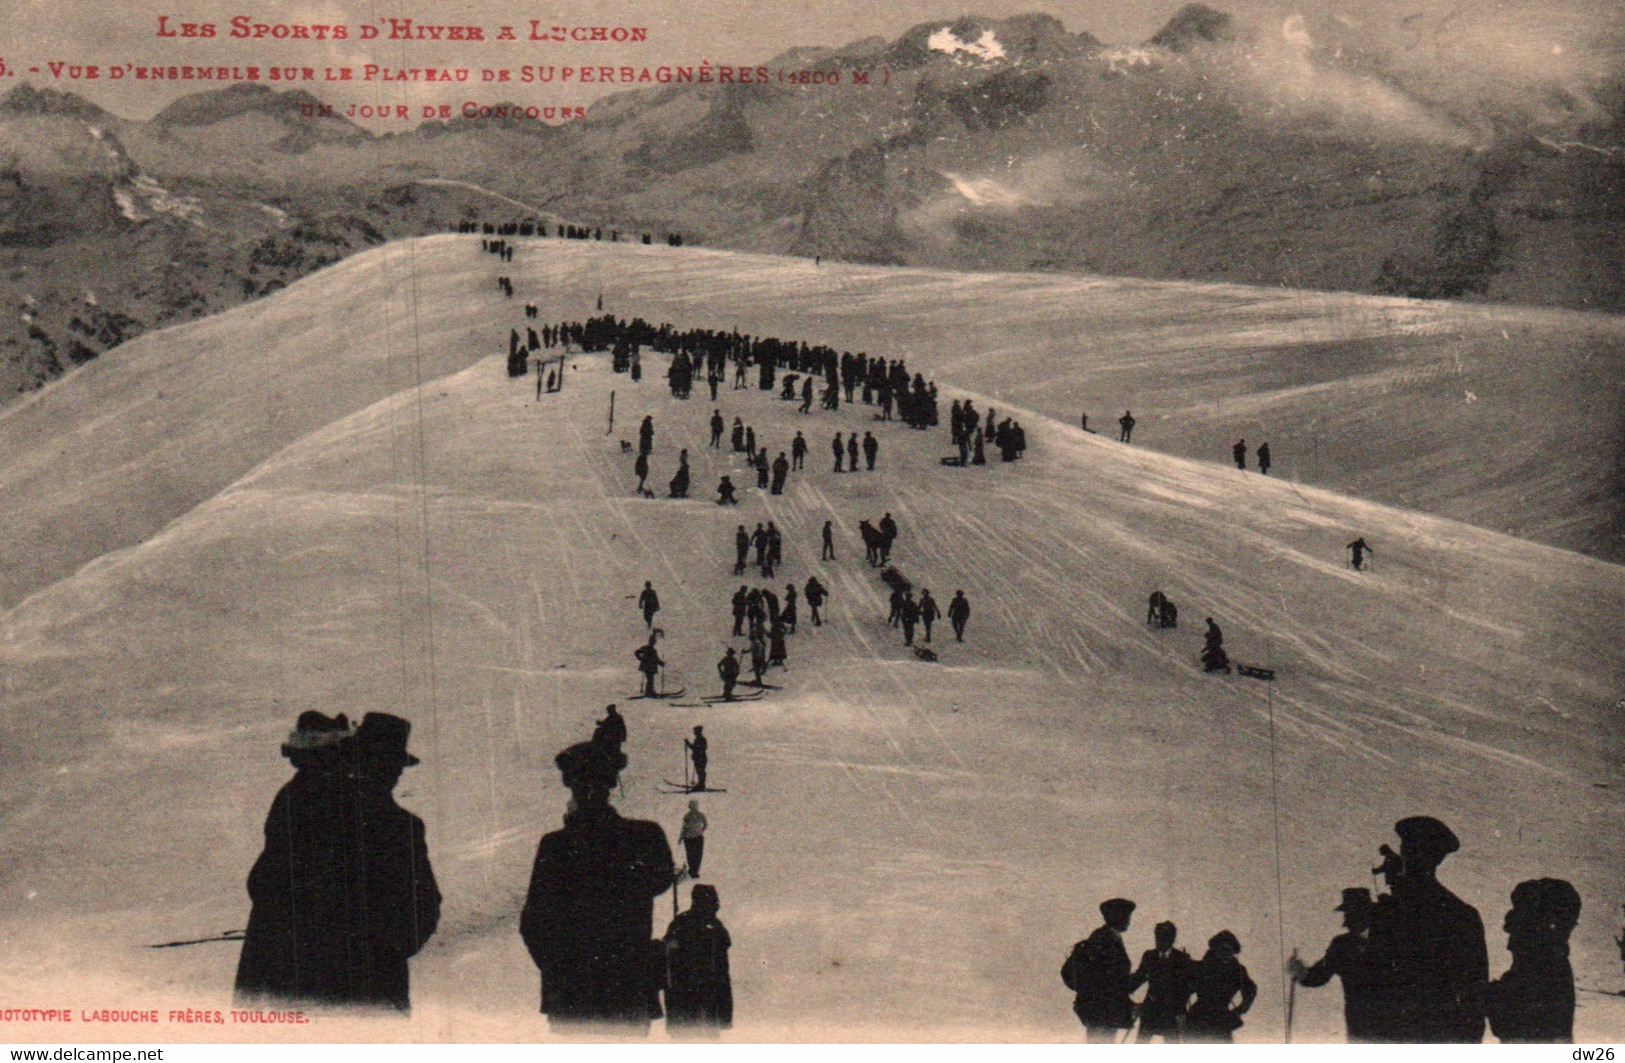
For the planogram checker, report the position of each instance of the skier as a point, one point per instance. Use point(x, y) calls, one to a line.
point(1264, 458)
point(1125, 422)
point(726, 496)
point(1098, 972)
point(828, 553)
point(1215, 1014)
point(649, 602)
point(798, 452)
point(758, 656)
point(741, 553)
point(692, 836)
point(717, 426)
point(928, 611)
point(839, 449)
point(649, 663)
point(699, 990)
point(871, 449)
point(1169, 975)
point(728, 669)
point(1359, 548)
point(611, 730)
point(698, 754)
point(1239, 452)
point(958, 613)
point(1346, 957)
point(816, 595)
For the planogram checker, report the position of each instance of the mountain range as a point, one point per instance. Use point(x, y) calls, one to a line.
point(1208, 152)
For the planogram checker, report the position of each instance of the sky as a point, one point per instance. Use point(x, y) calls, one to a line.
point(1491, 46)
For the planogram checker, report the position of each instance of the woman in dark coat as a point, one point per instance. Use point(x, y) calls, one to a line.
point(699, 991)
point(343, 892)
point(1215, 1014)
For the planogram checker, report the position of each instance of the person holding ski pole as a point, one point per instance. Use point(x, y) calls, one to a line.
point(696, 748)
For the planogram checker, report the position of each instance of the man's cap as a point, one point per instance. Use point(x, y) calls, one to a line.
point(314, 730)
point(382, 736)
point(1117, 906)
point(591, 761)
point(1425, 835)
point(1354, 899)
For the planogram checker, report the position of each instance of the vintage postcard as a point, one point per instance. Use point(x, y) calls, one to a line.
point(1024, 522)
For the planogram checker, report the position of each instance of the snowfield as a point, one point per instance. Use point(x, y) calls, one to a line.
point(335, 499)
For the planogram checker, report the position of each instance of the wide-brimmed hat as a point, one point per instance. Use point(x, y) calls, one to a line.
point(315, 730)
point(1426, 836)
point(1225, 939)
point(382, 737)
point(1355, 898)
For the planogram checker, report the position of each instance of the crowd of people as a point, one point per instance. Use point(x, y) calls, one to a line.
point(1413, 963)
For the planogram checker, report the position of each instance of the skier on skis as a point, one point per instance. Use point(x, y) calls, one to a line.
point(698, 754)
point(728, 669)
point(649, 663)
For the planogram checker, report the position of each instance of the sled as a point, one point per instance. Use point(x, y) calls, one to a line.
point(679, 788)
point(1252, 671)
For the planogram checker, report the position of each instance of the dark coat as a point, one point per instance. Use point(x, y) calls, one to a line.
point(1170, 981)
point(1348, 957)
point(1430, 967)
point(1534, 1001)
point(699, 990)
point(588, 919)
point(1098, 971)
point(1215, 1014)
point(343, 895)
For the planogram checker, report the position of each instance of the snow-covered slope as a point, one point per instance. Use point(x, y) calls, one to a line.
point(907, 849)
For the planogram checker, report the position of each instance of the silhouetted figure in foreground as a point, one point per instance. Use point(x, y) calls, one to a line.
point(1169, 975)
point(588, 919)
point(1429, 962)
point(1357, 551)
point(1347, 957)
point(611, 730)
point(343, 892)
point(1534, 1001)
point(1215, 1014)
point(699, 991)
point(1098, 971)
